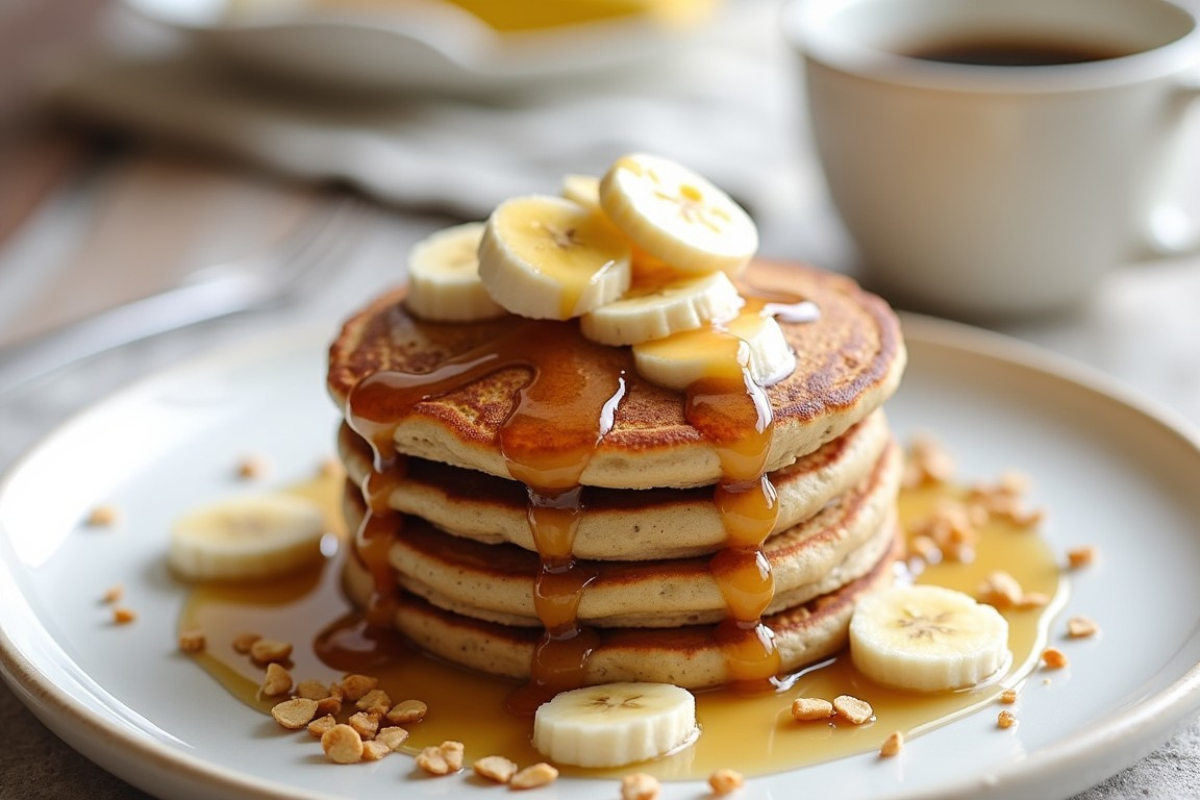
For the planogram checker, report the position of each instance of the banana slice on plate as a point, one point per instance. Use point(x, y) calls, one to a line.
point(443, 277)
point(750, 341)
point(927, 638)
point(677, 216)
point(615, 724)
point(550, 258)
point(658, 311)
point(246, 538)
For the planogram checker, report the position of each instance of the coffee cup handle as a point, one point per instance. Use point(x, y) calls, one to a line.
point(1171, 227)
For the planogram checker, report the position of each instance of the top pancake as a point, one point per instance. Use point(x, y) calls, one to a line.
point(848, 362)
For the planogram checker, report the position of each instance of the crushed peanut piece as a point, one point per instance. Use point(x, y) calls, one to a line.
point(725, 781)
point(640, 786)
point(1079, 627)
point(342, 745)
point(407, 711)
point(892, 744)
point(1006, 719)
point(1000, 589)
point(951, 530)
point(251, 467)
point(926, 462)
point(112, 595)
point(277, 681)
point(320, 725)
point(434, 761)
point(1008, 696)
point(312, 690)
point(192, 640)
point(295, 714)
point(533, 776)
point(329, 467)
point(244, 641)
point(123, 616)
point(495, 768)
point(1054, 658)
point(270, 651)
point(1081, 556)
point(925, 548)
point(331, 704)
point(355, 687)
point(852, 709)
point(392, 736)
point(1033, 600)
point(374, 702)
point(102, 516)
point(366, 724)
point(373, 751)
point(811, 708)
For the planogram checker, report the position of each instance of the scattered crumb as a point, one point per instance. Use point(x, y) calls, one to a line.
point(321, 725)
point(367, 725)
point(123, 616)
point(1033, 600)
point(1008, 697)
point(355, 687)
point(251, 467)
point(103, 516)
point(533, 776)
point(112, 595)
point(1054, 658)
point(295, 714)
point(270, 651)
point(407, 711)
point(1006, 719)
point(892, 744)
point(441, 760)
point(1080, 627)
point(312, 690)
point(1046, 681)
point(342, 745)
point(375, 702)
point(332, 702)
point(1081, 556)
point(926, 462)
point(807, 709)
point(192, 640)
point(951, 530)
point(495, 768)
point(640, 786)
point(1000, 589)
point(373, 750)
point(852, 709)
point(392, 736)
point(726, 781)
point(277, 681)
point(244, 641)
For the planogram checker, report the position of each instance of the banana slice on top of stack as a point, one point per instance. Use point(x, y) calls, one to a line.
point(641, 256)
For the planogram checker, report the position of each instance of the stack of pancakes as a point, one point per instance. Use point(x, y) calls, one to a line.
point(445, 552)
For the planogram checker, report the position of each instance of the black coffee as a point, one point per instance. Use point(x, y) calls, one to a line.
point(1014, 52)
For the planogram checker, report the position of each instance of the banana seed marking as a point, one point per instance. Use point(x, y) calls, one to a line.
point(921, 626)
point(607, 702)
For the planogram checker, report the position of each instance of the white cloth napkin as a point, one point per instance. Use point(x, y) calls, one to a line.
point(724, 104)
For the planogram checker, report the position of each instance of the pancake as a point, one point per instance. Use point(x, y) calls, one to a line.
point(848, 362)
point(495, 582)
point(687, 656)
point(620, 525)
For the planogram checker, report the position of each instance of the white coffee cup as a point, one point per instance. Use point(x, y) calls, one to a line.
point(982, 190)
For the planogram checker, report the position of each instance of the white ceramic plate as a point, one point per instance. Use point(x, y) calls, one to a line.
point(1109, 471)
point(416, 45)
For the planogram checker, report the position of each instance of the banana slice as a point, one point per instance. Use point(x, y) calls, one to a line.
point(748, 341)
point(582, 189)
point(657, 311)
point(246, 538)
point(550, 258)
point(615, 724)
point(443, 277)
point(677, 216)
point(927, 638)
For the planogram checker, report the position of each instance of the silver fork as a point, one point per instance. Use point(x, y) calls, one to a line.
point(267, 279)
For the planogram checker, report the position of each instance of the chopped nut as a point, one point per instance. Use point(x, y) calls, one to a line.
point(192, 640)
point(811, 708)
point(374, 702)
point(639, 786)
point(726, 781)
point(270, 651)
point(123, 615)
point(251, 467)
point(1079, 627)
point(392, 736)
point(366, 724)
point(1008, 696)
point(1006, 719)
point(355, 687)
point(453, 753)
point(925, 548)
point(244, 641)
point(1054, 658)
point(277, 681)
point(892, 744)
point(852, 709)
point(373, 751)
point(329, 467)
point(102, 516)
point(295, 714)
point(342, 745)
point(312, 690)
point(927, 462)
point(1081, 556)
point(495, 768)
point(951, 529)
point(533, 776)
point(1033, 600)
point(407, 711)
point(330, 705)
point(433, 761)
point(318, 727)
point(1000, 589)
point(112, 595)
